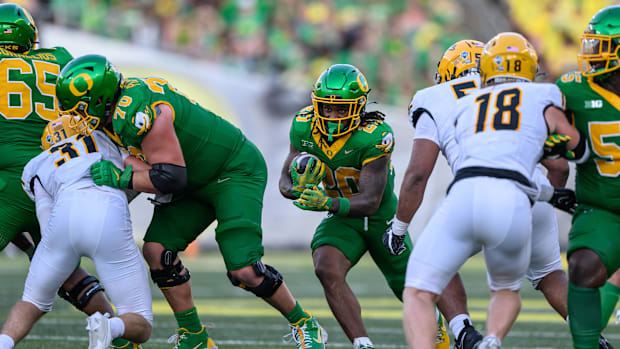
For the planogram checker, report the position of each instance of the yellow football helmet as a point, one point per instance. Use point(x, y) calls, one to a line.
point(508, 55)
point(59, 130)
point(459, 60)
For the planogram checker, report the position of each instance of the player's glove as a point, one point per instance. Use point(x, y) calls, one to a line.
point(104, 172)
point(394, 243)
point(313, 198)
point(314, 173)
point(564, 199)
point(556, 146)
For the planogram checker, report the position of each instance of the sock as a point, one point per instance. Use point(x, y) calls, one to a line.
point(296, 314)
point(609, 298)
point(117, 327)
point(189, 320)
point(6, 342)
point(357, 342)
point(458, 324)
point(584, 309)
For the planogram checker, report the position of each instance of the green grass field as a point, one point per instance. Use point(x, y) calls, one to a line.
point(239, 320)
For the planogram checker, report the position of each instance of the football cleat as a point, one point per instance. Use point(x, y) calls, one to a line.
point(604, 344)
point(490, 342)
point(442, 341)
point(307, 334)
point(120, 343)
point(184, 339)
point(468, 338)
point(99, 332)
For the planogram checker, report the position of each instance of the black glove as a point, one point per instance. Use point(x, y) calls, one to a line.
point(564, 199)
point(394, 243)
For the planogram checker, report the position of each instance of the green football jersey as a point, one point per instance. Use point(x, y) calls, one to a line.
point(345, 157)
point(207, 140)
point(596, 113)
point(27, 101)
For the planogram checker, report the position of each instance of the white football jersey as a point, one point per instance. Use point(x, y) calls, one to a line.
point(503, 125)
point(67, 164)
point(432, 113)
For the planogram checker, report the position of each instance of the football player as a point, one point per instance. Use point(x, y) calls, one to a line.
point(79, 218)
point(592, 101)
point(30, 74)
point(353, 148)
point(212, 172)
point(498, 151)
point(457, 75)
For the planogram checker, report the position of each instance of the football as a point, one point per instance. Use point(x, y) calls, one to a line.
point(302, 161)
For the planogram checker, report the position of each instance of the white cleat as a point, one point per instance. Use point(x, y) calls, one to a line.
point(99, 332)
point(490, 342)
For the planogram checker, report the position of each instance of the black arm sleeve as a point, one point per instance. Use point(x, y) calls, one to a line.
point(168, 178)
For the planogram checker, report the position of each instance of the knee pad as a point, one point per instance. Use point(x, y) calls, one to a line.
point(171, 275)
point(273, 280)
point(72, 296)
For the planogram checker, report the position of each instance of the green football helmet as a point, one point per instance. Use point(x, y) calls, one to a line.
point(600, 43)
point(341, 85)
point(18, 33)
point(88, 87)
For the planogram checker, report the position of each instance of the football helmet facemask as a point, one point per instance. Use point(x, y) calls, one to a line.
point(600, 43)
point(508, 55)
point(18, 33)
point(88, 87)
point(341, 86)
point(60, 129)
point(459, 60)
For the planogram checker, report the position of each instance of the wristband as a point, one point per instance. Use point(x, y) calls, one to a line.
point(399, 228)
point(343, 209)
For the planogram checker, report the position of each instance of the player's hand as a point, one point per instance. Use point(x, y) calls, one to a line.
point(315, 171)
point(394, 243)
point(564, 199)
point(105, 172)
point(556, 146)
point(313, 198)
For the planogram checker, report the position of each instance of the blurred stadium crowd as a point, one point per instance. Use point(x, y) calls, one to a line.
point(396, 43)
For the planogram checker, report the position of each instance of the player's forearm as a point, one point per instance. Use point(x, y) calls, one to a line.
point(141, 182)
point(411, 196)
point(359, 206)
point(286, 187)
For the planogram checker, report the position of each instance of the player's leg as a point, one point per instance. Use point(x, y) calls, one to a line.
point(108, 241)
point(428, 272)
point(173, 227)
point(17, 214)
point(593, 254)
point(338, 245)
point(504, 224)
point(51, 265)
point(545, 271)
point(394, 270)
point(238, 204)
point(609, 296)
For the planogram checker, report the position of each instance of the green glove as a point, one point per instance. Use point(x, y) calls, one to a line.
point(105, 172)
point(313, 177)
point(313, 198)
point(556, 146)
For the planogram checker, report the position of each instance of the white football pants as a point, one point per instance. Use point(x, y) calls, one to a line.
point(479, 212)
point(93, 223)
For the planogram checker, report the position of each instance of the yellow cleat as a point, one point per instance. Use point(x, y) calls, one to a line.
point(442, 341)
